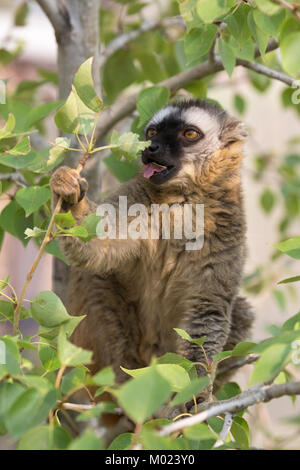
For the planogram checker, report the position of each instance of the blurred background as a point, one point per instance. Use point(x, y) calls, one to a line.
point(271, 172)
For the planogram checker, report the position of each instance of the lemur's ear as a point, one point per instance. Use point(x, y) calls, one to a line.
point(232, 131)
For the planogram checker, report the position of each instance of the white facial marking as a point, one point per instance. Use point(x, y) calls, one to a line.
point(202, 119)
point(161, 115)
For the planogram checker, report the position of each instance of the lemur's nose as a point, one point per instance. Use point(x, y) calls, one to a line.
point(154, 148)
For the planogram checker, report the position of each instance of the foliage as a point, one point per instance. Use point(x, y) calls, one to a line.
point(35, 394)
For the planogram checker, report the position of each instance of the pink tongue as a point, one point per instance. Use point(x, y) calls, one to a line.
point(151, 168)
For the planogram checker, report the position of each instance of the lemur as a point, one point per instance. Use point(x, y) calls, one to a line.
point(134, 292)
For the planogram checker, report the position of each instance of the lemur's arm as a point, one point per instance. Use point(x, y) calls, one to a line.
point(96, 255)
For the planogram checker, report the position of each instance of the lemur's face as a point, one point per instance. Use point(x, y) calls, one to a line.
point(180, 134)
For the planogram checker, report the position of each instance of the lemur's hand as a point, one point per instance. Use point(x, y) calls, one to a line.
point(68, 184)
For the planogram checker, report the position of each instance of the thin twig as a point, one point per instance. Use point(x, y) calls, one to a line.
point(121, 41)
point(225, 430)
point(258, 394)
point(290, 6)
point(16, 178)
point(263, 70)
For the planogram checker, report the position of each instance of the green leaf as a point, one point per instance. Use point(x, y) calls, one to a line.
point(12, 220)
point(184, 335)
point(65, 220)
point(40, 112)
point(290, 52)
point(237, 24)
point(28, 410)
point(71, 355)
point(84, 85)
point(240, 431)
point(172, 358)
point(73, 379)
point(75, 116)
point(87, 441)
point(8, 127)
point(21, 14)
point(48, 310)
point(48, 357)
point(141, 396)
point(198, 432)
point(176, 375)
point(77, 231)
point(128, 145)
point(280, 299)
point(271, 361)
point(151, 100)
point(22, 148)
point(222, 355)
point(122, 170)
point(198, 42)
point(90, 224)
point(106, 376)
point(267, 200)
point(189, 391)
point(289, 279)
point(209, 10)
point(9, 392)
point(152, 441)
point(37, 438)
point(12, 358)
point(227, 56)
point(260, 37)
point(19, 161)
point(53, 248)
point(267, 6)
point(269, 24)
point(121, 442)
point(68, 327)
point(290, 247)
point(57, 153)
point(243, 51)
point(292, 323)
point(239, 103)
point(243, 348)
point(229, 390)
point(7, 311)
point(32, 198)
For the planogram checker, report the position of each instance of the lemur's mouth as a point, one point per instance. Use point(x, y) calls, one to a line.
point(152, 168)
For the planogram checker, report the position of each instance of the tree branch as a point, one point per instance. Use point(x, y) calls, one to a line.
point(263, 70)
point(289, 6)
point(121, 41)
point(126, 105)
point(257, 394)
point(54, 11)
point(15, 177)
point(226, 366)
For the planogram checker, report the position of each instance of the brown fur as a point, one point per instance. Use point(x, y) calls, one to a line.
point(134, 292)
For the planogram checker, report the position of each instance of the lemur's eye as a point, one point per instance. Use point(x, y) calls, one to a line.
point(151, 132)
point(191, 134)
